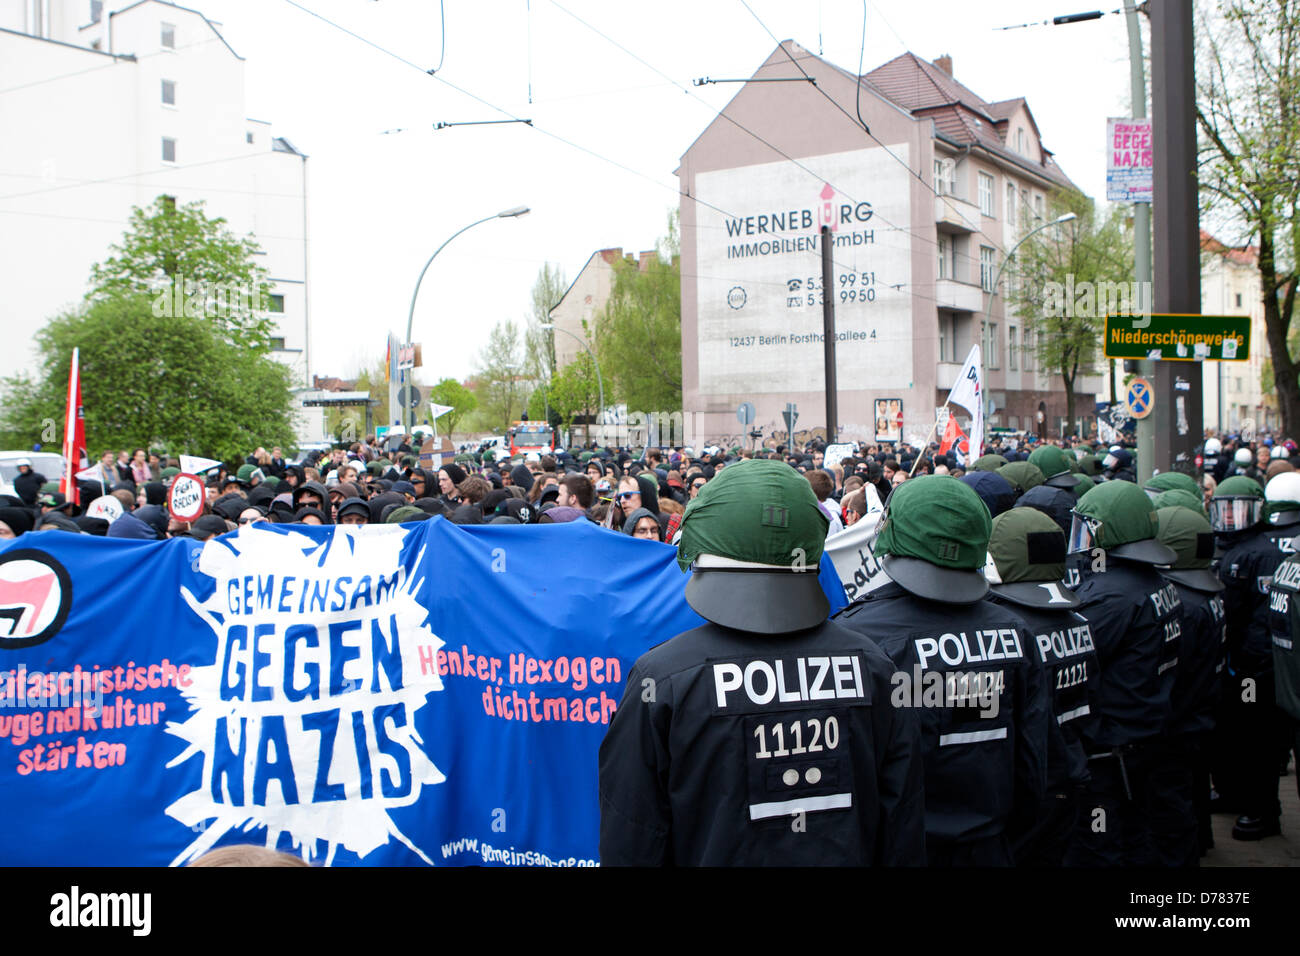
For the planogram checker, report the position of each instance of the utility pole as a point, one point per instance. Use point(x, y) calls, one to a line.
point(1177, 412)
point(1146, 427)
point(828, 337)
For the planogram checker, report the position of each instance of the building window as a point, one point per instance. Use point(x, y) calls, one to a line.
point(986, 194)
point(943, 257)
point(1239, 300)
point(277, 303)
point(1028, 351)
point(277, 345)
point(1011, 347)
point(168, 203)
point(1038, 205)
point(939, 176)
point(943, 337)
point(168, 36)
point(248, 138)
point(991, 345)
point(1021, 146)
point(986, 268)
point(169, 92)
point(1009, 214)
point(96, 10)
point(169, 149)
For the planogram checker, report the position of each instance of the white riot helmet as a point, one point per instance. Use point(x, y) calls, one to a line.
point(1243, 457)
point(1213, 446)
point(1278, 452)
point(1282, 495)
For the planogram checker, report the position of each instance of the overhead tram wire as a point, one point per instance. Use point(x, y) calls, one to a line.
point(505, 112)
point(722, 115)
point(854, 120)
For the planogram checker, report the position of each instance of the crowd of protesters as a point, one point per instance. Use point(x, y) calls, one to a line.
point(1237, 517)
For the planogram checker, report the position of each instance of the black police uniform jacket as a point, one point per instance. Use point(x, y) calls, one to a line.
point(978, 769)
point(1062, 639)
point(1246, 570)
point(1136, 620)
point(1197, 688)
point(1284, 623)
point(738, 749)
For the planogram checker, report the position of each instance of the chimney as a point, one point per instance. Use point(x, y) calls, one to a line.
point(944, 63)
point(646, 259)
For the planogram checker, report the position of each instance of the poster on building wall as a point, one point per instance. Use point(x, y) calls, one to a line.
point(760, 273)
point(889, 419)
point(1129, 162)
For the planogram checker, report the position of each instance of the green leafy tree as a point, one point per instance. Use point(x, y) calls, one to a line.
point(639, 333)
point(539, 343)
point(462, 402)
point(173, 382)
point(574, 391)
point(1248, 111)
point(499, 383)
point(192, 265)
point(1092, 254)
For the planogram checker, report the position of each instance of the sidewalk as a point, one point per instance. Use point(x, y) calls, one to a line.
point(1281, 850)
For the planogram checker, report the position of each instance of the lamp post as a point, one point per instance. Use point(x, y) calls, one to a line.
point(993, 289)
point(600, 383)
point(517, 211)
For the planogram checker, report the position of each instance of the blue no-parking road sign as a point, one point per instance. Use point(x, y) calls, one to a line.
point(1141, 398)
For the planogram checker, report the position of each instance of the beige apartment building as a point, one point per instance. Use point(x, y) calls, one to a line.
point(1233, 392)
point(922, 211)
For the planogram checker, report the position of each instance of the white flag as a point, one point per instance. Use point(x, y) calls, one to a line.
point(968, 392)
point(193, 465)
point(439, 410)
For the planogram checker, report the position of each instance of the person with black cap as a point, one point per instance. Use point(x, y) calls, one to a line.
point(355, 511)
point(1136, 620)
point(764, 737)
point(1181, 776)
point(14, 522)
point(985, 730)
point(1025, 569)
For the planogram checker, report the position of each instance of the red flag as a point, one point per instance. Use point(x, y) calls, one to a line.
point(74, 432)
point(952, 433)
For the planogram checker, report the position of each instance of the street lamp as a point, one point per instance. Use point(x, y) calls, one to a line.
point(552, 327)
point(993, 289)
point(410, 319)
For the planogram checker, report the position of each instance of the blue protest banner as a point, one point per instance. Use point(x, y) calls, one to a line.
point(384, 695)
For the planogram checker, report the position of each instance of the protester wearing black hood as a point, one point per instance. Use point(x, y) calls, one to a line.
point(449, 478)
point(642, 523)
point(14, 522)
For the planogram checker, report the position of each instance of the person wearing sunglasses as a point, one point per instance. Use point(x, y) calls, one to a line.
point(252, 514)
point(698, 482)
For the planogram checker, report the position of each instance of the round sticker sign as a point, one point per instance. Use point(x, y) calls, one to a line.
point(35, 597)
point(106, 507)
point(185, 497)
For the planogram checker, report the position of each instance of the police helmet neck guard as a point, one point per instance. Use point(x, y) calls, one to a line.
point(1279, 519)
point(759, 598)
point(1198, 579)
point(1047, 595)
point(935, 583)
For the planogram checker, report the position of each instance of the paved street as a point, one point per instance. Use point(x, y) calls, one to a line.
point(1281, 850)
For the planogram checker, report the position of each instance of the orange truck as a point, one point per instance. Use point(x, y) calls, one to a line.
point(526, 437)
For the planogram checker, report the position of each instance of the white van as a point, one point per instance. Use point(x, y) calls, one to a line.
point(43, 462)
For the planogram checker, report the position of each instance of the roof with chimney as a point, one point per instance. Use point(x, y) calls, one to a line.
point(929, 90)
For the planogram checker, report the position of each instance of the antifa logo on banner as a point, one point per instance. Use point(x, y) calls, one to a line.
point(35, 597)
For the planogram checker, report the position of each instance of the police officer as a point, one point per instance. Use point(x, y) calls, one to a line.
point(1284, 622)
point(1170, 481)
point(1181, 773)
point(1237, 518)
point(968, 665)
point(1212, 462)
point(1135, 618)
point(765, 736)
point(1025, 567)
point(1055, 464)
point(1264, 736)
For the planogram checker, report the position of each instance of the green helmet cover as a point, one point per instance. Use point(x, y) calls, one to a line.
point(1169, 480)
point(1180, 498)
point(988, 463)
point(1122, 513)
point(1189, 534)
point(936, 518)
point(1050, 460)
point(1027, 545)
point(758, 510)
point(1022, 475)
point(1239, 486)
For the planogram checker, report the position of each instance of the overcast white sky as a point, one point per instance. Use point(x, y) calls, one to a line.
point(379, 203)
